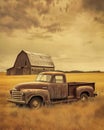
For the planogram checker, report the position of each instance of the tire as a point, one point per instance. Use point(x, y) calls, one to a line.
point(84, 97)
point(35, 103)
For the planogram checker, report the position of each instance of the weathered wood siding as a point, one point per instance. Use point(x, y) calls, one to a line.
point(11, 71)
point(18, 71)
point(22, 61)
point(30, 63)
point(36, 70)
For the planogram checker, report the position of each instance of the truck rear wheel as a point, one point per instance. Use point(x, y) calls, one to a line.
point(36, 103)
point(84, 97)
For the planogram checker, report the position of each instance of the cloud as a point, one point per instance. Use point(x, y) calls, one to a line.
point(51, 15)
point(53, 27)
point(96, 5)
point(47, 14)
point(14, 16)
point(99, 19)
point(22, 14)
point(39, 35)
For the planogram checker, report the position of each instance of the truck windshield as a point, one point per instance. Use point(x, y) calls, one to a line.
point(43, 78)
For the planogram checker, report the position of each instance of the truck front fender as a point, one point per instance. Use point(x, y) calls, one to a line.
point(84, 89)
point(44, 94)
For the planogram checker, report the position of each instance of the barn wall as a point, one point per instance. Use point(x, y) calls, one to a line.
point(22, 60)
point(24, 65)
point(21, 65)
point(36, 70)
point(8, 72)
point(11, 71)
point(26, 71)
point(19, 71)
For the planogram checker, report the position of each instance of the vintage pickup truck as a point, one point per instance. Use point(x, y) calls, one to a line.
point(49, 88)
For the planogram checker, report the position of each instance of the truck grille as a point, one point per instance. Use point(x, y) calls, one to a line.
point(17, 95)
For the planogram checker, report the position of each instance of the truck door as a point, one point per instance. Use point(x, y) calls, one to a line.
point(58, 88)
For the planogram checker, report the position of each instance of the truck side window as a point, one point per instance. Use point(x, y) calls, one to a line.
point(58, 79)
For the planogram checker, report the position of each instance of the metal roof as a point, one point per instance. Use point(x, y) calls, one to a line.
point(37, 59)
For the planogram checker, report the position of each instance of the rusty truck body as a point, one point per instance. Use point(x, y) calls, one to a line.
point(50, 87)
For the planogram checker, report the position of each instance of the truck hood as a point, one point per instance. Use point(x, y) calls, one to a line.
point(32, 85)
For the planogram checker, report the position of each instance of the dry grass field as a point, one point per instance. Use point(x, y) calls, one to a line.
point(74, 116)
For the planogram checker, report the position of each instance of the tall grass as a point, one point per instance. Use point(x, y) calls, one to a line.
point(74, 116)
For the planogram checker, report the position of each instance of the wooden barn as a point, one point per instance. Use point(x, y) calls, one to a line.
point(31, 63)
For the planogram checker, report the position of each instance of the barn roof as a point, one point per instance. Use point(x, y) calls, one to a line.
point(37, 59)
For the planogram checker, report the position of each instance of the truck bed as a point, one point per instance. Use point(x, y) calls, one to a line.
point(73, 85)
point(80, 83)
point(76, 84)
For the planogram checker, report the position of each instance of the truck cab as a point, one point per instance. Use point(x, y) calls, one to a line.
point(57, 85)
point(50, 87)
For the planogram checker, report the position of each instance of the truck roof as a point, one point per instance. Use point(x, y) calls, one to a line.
point(53, 72)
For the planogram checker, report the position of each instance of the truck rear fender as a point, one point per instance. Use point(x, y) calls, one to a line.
point(84, 89)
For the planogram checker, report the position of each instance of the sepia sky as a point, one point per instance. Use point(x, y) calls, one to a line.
point(71, 31)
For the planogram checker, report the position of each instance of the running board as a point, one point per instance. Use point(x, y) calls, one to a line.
point(64, 101)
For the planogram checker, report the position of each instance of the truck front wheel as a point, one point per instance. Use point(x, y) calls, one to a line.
point(84, 97)
point(35, 103)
